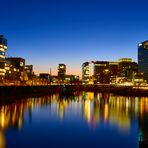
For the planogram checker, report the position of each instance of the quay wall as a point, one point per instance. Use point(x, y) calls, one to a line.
point(34, 91)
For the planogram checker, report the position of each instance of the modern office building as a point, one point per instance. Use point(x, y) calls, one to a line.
point(134, 67)
point(113, 68)
point(15, 68)
point(45, 77)
point(95, 72)
point(125, 67)
point(85, 72)
point(61, 72)
point(101, 72)
point(29, 70)
point(143, 59)
point(71, 79)
point(3, 47)
point(105, 72)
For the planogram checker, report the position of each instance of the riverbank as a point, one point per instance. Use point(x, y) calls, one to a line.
point(119, 90)
point(27, 91)
point(34, 91)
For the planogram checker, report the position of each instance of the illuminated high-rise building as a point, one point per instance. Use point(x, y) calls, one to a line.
point(105, 72)
point(3, 47)
point(125, 67)
point(143, 59)
point(61, 72)
point(101, 72)
point(85, 72)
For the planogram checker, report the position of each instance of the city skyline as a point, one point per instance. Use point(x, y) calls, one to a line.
point(47, 33)
point(81, 72)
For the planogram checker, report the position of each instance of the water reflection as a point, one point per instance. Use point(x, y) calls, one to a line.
point(114, 110)
point(2, 139)
point(95, 108)
point(143, 118)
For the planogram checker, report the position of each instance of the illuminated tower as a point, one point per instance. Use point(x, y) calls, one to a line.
point(3, 47)
point(143, 59)
point(85, 72)
point(61, 72)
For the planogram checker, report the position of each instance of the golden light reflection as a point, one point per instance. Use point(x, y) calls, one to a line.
point(2, 140)
point(143, 116)
point(124, 123)
point(143, 107)
point(115, 110)
point(106, 112)
point(60, 110)
point(88, 95)
point(95, 108)
point(87, 110)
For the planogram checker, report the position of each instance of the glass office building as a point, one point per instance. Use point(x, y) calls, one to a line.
point(143, 59)
point(61, 72)
point(85, 72)
point(3, 47)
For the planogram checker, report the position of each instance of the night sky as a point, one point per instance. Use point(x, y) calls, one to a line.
point(49, 32)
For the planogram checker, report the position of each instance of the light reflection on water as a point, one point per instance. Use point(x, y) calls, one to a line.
point(117, 115)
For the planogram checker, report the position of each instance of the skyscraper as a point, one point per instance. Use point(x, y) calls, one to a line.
point(85, 72)
point(3, 47)
point(143, 59)
point(61, 72)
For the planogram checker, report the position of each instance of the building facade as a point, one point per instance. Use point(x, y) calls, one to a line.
point(15, 69)
point(71, 79)
point(113, 69)
point(61, 72)
point(125, 66)
point(29, 71)
point(143, 59)
point(101, 72)
point(3, 48)
point(105, 72)
point(85, 72)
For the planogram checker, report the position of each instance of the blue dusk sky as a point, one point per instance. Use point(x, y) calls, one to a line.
point(49, 32)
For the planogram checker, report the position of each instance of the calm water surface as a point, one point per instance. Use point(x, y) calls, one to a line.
point(87, 119)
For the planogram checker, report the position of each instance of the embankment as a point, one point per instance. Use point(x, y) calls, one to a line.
point(34, 91)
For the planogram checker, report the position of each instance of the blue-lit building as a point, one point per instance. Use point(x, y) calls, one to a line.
point(143, 59)
point(3, 47)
